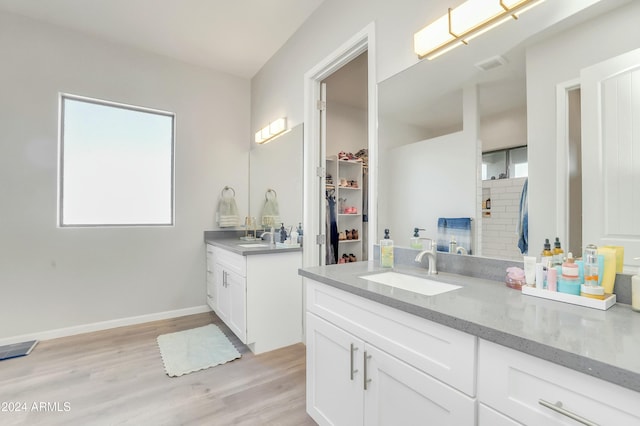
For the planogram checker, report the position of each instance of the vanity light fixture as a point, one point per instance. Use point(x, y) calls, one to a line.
point(270, 131)
point(464, 23)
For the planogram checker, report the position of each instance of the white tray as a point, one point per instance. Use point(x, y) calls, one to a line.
point(603, 305)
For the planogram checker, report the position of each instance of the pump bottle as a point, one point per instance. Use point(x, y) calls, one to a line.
point(386, 251)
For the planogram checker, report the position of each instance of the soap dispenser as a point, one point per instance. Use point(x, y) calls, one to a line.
point(416, 242)
point(283, 233)
point(386, 251)
point(300, 233)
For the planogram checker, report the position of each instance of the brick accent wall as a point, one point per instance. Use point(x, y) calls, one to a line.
point(499, 238)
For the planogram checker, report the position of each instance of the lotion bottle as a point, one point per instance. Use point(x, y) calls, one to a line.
point(591, 269)
point(386, 251)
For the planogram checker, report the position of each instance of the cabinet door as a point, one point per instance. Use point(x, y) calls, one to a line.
point(237, 297)
point(211, 279)
point(398, 394)
point(222, 299)
point(334, 374)
point(211, 289)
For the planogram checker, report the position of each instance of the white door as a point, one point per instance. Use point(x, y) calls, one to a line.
point(399, 394)
point(611, 153)
point(237, 292)
point(324, 229)
point(334, 374)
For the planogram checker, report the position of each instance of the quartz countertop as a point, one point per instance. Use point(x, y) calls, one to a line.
point(603, 344)
point(236, 245)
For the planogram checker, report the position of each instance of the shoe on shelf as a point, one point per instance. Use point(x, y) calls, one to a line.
point(348, 234)
point(352, 258)
point(354, 234)
point(343, 259)
point(342, 236)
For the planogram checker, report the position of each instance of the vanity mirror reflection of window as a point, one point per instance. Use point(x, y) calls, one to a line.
point(505, 163)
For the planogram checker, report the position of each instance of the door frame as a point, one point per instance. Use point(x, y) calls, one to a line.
point(363, 41)
point(562, 157)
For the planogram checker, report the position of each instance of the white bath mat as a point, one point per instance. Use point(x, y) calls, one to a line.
point(196, 349)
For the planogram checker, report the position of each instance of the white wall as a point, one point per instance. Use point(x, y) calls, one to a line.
point(346, 129)
point(278, 88)
point(504, 130)
point(550, 63)
point(53, 278)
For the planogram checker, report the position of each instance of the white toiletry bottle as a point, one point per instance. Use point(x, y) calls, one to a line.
point(453, 245)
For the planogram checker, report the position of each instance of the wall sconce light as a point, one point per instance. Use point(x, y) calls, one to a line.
point(271, 130)
point(466, 22)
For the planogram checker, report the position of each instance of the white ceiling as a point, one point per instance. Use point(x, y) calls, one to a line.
point(233, 36)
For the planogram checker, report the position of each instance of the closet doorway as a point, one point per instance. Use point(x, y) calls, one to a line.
point(321, 122)
point(346, 154)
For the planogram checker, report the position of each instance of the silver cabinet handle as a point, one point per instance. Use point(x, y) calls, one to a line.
point(353, 349)
point(366, 380)
point(224, 278)
point(557, 407)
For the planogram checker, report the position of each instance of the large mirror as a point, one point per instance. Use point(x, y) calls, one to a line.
point(438, 117)
point(275, 172)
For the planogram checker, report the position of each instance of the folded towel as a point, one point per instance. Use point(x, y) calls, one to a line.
point(460, 228)
point(227, 209)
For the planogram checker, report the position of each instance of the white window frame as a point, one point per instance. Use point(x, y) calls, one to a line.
point(61, 156)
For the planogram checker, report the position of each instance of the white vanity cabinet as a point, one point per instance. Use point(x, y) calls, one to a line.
point(371, 364)
point(229, 289)
point(517, 385)
point(258, 296)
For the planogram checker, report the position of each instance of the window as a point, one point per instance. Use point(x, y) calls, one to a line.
point(116, 164)
point(505, 163)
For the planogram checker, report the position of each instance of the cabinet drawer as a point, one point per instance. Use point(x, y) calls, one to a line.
point(231, 261)
point(514, 383)
point(444, 353)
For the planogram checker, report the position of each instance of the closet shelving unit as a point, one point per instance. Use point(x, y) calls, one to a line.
point(346, 171)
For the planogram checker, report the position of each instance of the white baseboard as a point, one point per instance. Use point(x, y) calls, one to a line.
point(103, 325)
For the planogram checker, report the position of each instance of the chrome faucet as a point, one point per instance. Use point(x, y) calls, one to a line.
point(431, 256)
point(461, 250)
point(271, 236)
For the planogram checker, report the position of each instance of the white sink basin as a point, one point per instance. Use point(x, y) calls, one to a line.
point(253, 245)
point(411, 283)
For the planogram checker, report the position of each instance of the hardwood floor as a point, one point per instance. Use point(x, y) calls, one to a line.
point(117, 377)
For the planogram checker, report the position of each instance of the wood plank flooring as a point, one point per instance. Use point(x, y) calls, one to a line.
point(116, 376)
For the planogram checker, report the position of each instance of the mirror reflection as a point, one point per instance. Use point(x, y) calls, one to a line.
point(445, 125)
point(275, 174)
